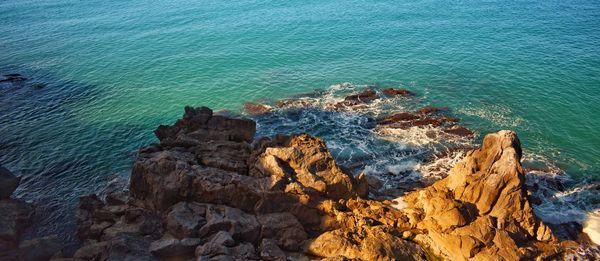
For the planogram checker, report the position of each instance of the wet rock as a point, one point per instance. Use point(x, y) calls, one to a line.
point(366, 96)
point(8, 183)
point(431, 110)
point(256, 108)
point(40, 248)
point(567, 231)
point(460, 131)
point(397, 92)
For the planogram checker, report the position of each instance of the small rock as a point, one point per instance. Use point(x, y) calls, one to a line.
point(397, 92)
point(257, 109)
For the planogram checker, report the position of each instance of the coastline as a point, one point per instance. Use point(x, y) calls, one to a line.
point(210, 190)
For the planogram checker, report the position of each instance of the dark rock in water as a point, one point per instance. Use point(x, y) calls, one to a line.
point(364, 97)
point(40, 248)
point(38, 86)
point(397, 92)
point(399, 117)
point(13, 77)
point(257, 109)
point(431, 110)
point(460, 131)
point(8, 183)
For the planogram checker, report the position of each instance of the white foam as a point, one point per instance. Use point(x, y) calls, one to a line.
point(592, 226)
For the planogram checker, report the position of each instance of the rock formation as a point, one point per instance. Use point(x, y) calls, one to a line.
point(210, 191)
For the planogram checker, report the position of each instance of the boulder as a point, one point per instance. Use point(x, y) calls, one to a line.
point(8, 183)
point(240, 225)
point(368, 243)
point(176, 249)
point(184, 219)
point(269, 251)
point(284, 228)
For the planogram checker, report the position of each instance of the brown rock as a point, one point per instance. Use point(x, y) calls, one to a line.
point(256, 108)
point(481, 209)
point(397, 92)
point(370, 243)
point(284, 228)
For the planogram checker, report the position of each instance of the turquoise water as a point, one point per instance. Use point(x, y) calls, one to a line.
point(114, 70)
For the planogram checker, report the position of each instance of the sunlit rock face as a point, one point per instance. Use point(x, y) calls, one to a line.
point(210, 191)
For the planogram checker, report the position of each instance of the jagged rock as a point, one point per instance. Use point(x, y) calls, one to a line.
point(481, 209)
point(368, 243)
point(199, 124)
point(40, 248)
point(8, 183)
point(117, 198)
point(269, 251)
point(284, 228)
point(305, 158)
point(219, 247)
point(185, 219)
point(242, 226)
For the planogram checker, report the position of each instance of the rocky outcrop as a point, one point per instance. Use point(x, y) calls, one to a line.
point(481, 211)
point(426, 117)
point(210, 191)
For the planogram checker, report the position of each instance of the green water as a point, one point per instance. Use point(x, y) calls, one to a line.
point(114, 70)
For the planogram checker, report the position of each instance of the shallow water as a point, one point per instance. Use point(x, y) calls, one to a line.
point(114, 70)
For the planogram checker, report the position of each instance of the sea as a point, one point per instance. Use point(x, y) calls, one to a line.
point(87, 82)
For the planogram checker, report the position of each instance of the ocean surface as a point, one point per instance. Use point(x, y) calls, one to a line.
point(101, 75)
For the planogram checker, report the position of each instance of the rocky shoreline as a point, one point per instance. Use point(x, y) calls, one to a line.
point(210, 190)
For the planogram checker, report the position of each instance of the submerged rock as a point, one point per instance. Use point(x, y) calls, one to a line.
point(397, 92)
point(257, 108)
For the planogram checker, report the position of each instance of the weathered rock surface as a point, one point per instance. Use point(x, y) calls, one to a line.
point(209, 191)
point(481, 210)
